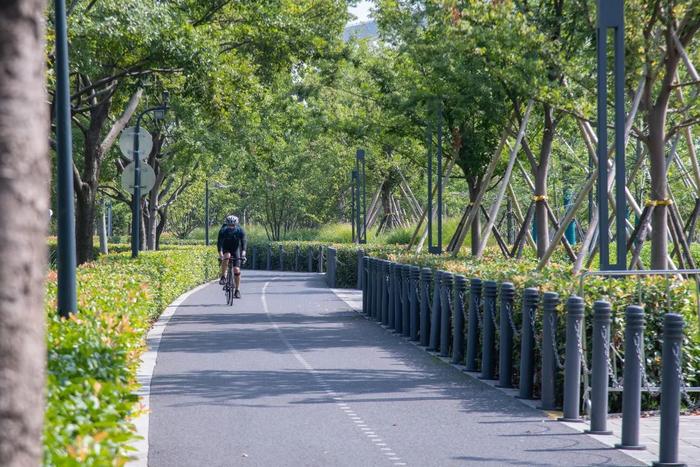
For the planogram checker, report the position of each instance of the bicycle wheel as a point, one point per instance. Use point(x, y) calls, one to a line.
point(229, 288)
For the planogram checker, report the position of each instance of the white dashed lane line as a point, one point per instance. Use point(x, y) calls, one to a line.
point(352, 415)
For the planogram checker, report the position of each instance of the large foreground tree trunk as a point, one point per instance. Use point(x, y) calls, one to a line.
point(24, 206)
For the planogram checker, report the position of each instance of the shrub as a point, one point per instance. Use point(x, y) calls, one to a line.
point(93, 357)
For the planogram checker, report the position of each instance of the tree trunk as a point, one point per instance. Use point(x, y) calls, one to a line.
point(474, 187)
point(24, 208)
point(151, 214)
point(541, 174)
point(162, 222)
point(386, 207)
point(656, 122)
point(103, 229)
point(657, 171)
point(84, 224)
point(93, 155)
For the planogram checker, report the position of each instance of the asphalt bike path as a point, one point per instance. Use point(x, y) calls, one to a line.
point(291, 376)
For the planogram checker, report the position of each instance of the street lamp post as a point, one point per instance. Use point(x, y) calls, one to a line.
point(435, 249)
point(361, 196)
point(206, 212)
point(354, 207)
point(159, 114)
point(67, 295)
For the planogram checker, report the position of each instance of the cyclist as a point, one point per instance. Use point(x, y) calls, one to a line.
point(231, 244)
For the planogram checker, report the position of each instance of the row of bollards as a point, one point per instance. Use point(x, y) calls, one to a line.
point(314, 259)
point(429, 306)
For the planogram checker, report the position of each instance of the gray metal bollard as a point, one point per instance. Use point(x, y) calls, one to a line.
point(378, 284)
point(320, 259)
point(671, 374)
point(281, 253)
point(365, 285)
point(488, 327)
point(435, 312)
point(426, 276)
point(269, 257)
point(445, 313)
point(531, 297)
point(384, 317)
point(392, 294)
point(332, 267)
point(549, 353)
point(414, 281)
point(360, 255)
point(458, 319)
point(600, 377)
point(505, 348)
point(632, 378)
point(254, 257)
point(406, 299)
point(473, 324)
point(376, 290)
point(572, 371)
point(369, 277)
point(397, 297)
point(310, 259)
point(296, 258)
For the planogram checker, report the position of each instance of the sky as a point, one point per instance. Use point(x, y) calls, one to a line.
point(362, 11)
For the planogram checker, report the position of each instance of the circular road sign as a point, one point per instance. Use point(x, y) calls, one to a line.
point(126, 143)
point(148, 178)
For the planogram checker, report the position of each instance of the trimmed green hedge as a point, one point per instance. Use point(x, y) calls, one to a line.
point(93, 357)
point(346, 274)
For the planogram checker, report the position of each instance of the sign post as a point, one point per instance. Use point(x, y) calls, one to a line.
point(136, 144)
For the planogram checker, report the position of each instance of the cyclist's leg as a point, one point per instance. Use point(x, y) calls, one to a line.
point(224, 265)
point(236, 261)
point(237, 276)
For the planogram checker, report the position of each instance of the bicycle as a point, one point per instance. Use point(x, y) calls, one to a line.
point(229, 287)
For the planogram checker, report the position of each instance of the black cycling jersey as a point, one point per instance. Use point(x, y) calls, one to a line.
point(231, 240)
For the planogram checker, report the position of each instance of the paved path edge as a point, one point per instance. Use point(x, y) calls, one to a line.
point(353, 299)
point(144, 375)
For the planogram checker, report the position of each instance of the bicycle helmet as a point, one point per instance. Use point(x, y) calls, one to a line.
point(231, 220)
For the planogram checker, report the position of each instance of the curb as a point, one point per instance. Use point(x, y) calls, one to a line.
point(145, 374)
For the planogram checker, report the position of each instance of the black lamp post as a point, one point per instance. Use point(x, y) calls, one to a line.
point(159, 114)
point(435, 249)
point(206, 212)
point(361, 196)
point(67, 295)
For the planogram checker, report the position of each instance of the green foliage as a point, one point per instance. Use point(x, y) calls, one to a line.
point(93, 357)
point(398, 236)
